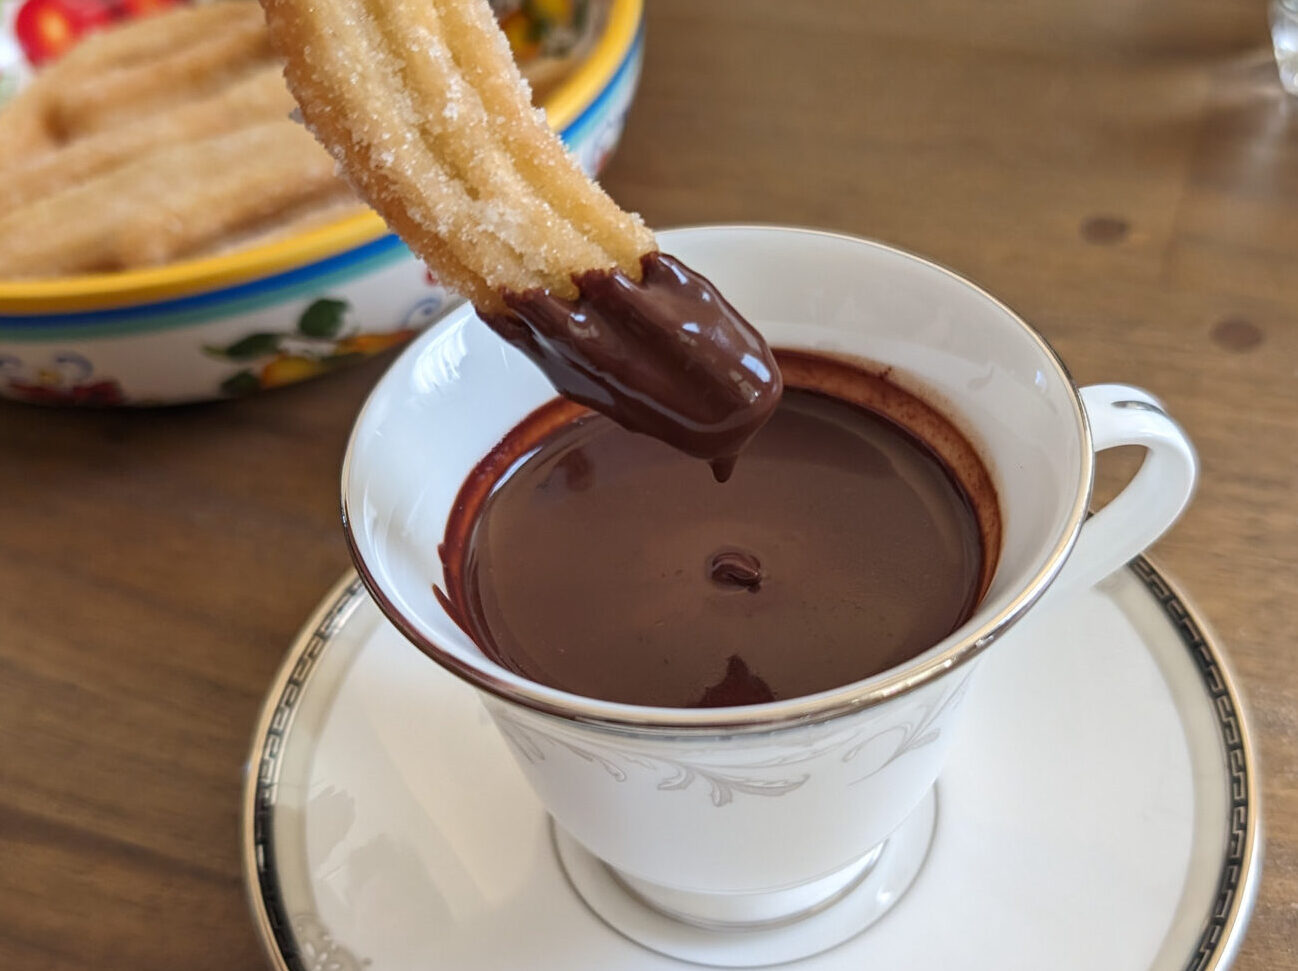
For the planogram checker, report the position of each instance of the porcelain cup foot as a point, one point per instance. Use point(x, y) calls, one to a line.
point(754, 929)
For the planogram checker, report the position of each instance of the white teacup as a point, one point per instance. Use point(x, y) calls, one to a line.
point(753, 817)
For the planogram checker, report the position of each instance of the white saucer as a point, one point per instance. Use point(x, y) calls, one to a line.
point(1098, 810)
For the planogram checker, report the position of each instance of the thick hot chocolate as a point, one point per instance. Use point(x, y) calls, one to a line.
point(608, 564)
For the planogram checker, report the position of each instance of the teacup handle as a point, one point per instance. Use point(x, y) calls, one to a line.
point(1152, 501)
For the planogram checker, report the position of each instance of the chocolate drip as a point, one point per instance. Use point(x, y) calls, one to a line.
point(735, 569)
point(667, 356)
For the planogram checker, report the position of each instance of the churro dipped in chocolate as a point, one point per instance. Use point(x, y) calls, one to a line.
point(421, 103)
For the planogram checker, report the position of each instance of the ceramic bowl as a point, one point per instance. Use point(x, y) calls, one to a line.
point(273, 314)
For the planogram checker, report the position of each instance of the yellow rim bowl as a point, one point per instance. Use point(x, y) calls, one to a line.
point(99, 290)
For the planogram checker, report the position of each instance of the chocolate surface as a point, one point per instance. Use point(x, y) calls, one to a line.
point(610, 565)
point(667, 356)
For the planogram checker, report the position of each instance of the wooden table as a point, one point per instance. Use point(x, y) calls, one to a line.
point(1125, 176)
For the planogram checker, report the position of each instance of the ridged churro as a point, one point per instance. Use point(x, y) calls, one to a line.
point(422, 105)
point(169, 203)
point(135, 91)
point(161, 139)
point(115, 76)
point(259, 97)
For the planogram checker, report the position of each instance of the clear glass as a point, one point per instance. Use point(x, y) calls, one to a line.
point(1284, 35)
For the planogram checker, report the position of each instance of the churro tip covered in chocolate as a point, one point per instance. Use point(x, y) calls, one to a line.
point(664, 354)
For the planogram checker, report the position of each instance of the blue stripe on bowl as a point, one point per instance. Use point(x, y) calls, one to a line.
point(180, 312)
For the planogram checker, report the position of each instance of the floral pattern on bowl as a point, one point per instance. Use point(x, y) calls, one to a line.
point(62, 378)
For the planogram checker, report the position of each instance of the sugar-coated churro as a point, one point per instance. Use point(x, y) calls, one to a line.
point(421, 103)
point(137, 90)
point(169, 203)
point(261, 96)
point(24, 130)
point(424, 107)
point(149, 142)
point(115, 76)
point(93, 103)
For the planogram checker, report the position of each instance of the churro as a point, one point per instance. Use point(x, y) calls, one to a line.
point(194, 70)
point(115, 76)
point(120, 102)
point(259, 97)
point(162, 139)
point(24, 130)
point(421, 103)
point(169, 203)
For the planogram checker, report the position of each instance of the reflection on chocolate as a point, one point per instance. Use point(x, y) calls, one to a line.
point(735, 569)
point(841, 547)
point(667, 356)
point(739, 687)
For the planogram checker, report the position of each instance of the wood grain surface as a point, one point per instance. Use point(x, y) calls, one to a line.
point(1125, 175)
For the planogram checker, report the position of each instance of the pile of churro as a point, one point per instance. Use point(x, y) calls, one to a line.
point(163, 139)
point(423, 107)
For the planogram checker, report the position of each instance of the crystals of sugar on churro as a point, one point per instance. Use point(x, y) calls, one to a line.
point(422, 104)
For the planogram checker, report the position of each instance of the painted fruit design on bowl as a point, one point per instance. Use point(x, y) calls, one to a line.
point(322, 342)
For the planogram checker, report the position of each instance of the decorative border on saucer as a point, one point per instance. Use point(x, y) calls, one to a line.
point(1237, 882)
point(303, 944)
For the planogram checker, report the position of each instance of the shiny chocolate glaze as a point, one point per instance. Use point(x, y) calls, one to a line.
point(666, 355)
